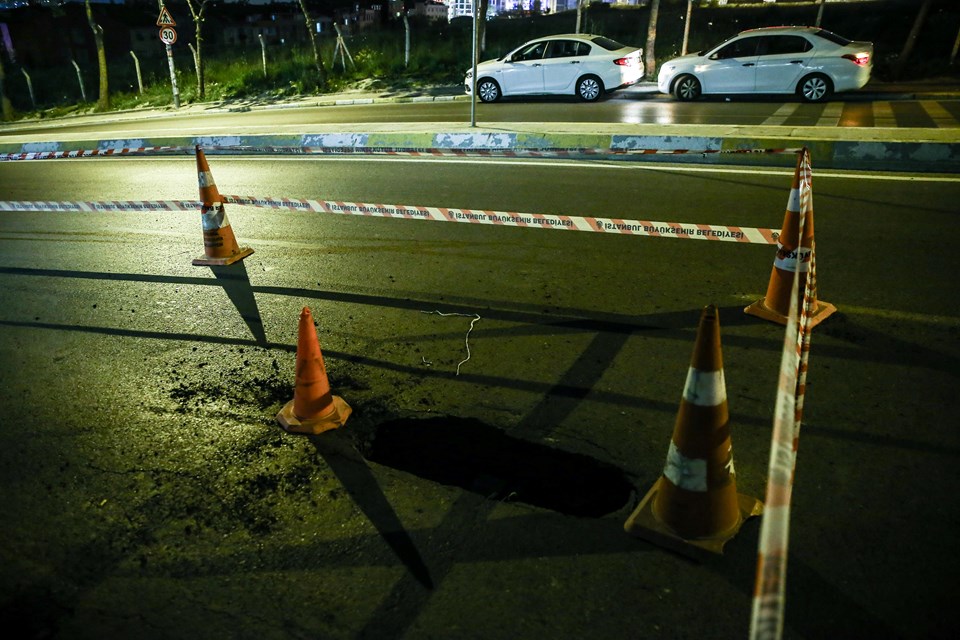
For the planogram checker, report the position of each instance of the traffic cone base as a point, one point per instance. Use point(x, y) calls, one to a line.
point(643, 523)
point(335, 417)
point(760, 309)
point(238, 255)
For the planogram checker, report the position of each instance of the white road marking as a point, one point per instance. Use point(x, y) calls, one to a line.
point(567, 163)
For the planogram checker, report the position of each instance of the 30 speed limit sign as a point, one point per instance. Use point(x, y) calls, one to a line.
point(168, 35)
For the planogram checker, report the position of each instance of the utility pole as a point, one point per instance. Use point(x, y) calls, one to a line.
point(473, 78)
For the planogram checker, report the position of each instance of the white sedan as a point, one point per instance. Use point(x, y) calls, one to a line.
point(583, 65)
point(813, 63)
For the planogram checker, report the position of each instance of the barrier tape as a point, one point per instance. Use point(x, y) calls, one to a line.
point(769, 598)
point(84, 153)
point(106, 206)
point(620, 226)
point(389, 151)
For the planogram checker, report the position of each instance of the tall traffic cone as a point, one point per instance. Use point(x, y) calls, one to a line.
point(219, 244)
point(314, 409)
point(694, 505)
point(776, 305)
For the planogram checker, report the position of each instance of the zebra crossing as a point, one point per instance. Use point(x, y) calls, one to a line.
point(927, 113)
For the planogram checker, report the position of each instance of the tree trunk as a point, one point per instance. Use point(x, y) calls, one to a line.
point(197, 9)
point(649, 57)
point(103, 102)
point(201, 85)
point(482, 27)
point(6, 109)
point(819, 13)
point(956, 47)
point(686, 28)
point(317, 60)
point(911, 39)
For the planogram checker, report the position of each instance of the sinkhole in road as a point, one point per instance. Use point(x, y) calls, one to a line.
point(482, 459)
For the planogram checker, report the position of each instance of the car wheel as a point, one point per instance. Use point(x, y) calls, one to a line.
point(589, 88)
point(815, 88)
point(686, 88)
point(488, 90)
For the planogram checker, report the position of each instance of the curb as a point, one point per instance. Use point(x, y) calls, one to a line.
point(735, 146)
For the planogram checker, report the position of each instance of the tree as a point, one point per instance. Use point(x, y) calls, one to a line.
point(197, 9)
point(912, 38)
point(317, 60)
point(103, 102)
point(649, 55)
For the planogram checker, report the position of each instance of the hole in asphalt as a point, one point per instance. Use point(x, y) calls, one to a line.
point(482, 459)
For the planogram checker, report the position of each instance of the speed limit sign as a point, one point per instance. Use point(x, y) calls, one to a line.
point(168, 35)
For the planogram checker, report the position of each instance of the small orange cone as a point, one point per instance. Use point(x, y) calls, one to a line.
point(219, 244)
point(314, 409)
point(694, 506)
point(775, 307)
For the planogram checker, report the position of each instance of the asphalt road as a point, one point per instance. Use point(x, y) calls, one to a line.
point(629, 107)
point(148, 491)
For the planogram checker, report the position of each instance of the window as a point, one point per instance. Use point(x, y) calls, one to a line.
point(532, 52)
point(567, 49)
point(773, 45)
point(742, 48)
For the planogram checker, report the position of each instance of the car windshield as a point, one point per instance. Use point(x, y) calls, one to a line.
point(832, 37)
point(607, 43)
point(715, 47)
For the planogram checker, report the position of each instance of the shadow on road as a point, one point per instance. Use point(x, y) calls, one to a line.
point(236, 284)
point(359, 482)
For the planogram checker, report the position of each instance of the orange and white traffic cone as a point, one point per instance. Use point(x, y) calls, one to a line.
point(791, 247)
point(314, 409)
point(694, 505)
point(219, 244)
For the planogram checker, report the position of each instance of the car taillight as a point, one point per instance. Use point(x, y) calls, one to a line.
point(629, 61)
point(862, 59)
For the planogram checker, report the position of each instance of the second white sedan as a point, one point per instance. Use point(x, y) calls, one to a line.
point(586, 66)
point(810, 62)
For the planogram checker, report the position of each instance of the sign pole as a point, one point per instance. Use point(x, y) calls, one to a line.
point(173, 77)
point(168, 36)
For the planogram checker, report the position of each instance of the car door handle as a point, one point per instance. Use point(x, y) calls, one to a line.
point(796, 62)
point(574, 62)
point(536, 64)
point(748, 64)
